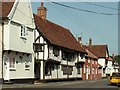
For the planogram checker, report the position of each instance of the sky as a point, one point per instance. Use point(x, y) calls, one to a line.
point(103, 29)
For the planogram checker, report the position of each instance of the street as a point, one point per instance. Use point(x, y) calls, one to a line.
point(102, 83)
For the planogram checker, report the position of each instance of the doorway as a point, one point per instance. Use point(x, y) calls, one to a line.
point(37, 70)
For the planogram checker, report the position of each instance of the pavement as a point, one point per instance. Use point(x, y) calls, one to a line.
point(101, 83)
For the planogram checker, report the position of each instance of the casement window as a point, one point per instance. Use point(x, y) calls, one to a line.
point(48, 69)
point(64, 56)
point(92, 61)
point(55, 52)
point(64, 69)
point(93, 70)
point(88, 61)
point(24, 32)
point(78, 70)
point(82, 56)
point(67, 70)
point(27, 65)
point(70, 69)
point(70, 57)
point(12, 63)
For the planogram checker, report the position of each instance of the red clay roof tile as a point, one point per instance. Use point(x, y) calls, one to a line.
point(57, 35)
point(91, 55)
point(5, 8)
point(98, 50)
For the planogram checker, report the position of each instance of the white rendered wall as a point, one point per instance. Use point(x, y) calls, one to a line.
point(20, 71)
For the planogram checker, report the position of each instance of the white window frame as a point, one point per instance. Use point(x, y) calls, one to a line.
point(27, 63)
point(92, 61)
point(23, 32)
point(88, 60)
point(13, 66)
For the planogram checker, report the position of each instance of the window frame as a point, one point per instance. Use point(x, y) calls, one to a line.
point(23, 32)
point(28, 63)
point(13, 65)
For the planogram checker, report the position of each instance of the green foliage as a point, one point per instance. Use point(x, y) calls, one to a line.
point(117, 59)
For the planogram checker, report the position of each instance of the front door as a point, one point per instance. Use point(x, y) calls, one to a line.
point(37, 70)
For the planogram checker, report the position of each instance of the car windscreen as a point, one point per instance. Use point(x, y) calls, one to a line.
point(116, 75)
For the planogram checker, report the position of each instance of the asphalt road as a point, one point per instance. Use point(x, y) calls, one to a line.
point(86, 84)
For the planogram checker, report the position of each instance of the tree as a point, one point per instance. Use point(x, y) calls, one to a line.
point(116, 59)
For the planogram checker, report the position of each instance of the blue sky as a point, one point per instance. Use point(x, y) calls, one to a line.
point(103, 29)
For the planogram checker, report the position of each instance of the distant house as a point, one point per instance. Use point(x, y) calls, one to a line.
point(90, 70)
point(58, 54)
point(16, 28)
point(111, 66)
point(101, 52)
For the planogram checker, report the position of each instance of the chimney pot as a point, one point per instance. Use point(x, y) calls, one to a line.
point(90, 41)
point(41, 11)
point(80, 40)
point(42, 4)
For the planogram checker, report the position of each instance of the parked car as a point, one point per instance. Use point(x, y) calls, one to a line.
point(114, 78)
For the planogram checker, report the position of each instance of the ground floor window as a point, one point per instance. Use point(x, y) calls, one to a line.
point(64, 69)
point(67, 70)
point(12, 63)
point(27, 65)
point(78, 70)
point(48, 69)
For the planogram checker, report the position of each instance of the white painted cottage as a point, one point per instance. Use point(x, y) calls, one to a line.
point(17, 29)
point(102, 52)
point(58, 54)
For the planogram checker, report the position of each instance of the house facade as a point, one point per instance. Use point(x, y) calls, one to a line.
point(101, 51)
point(56, 56)
point(111, 67)
point(18, 37)
point(91, 68)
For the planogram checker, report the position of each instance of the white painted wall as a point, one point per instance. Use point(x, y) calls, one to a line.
point(21, 14)
point(19, 72)
point(101, 61)
point(6, 36)
point(17, 43)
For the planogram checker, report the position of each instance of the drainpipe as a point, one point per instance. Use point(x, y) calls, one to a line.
point(2, 50)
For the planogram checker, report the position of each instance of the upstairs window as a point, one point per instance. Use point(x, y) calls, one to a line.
point(23, 32)
point(82, 56)
point(64, 56)
point(55, 52)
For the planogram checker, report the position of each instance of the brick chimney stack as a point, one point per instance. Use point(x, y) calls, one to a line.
point(90, 41)
point(42, 11)
point(80, 40)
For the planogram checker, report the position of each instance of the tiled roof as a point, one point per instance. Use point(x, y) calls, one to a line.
point(109, 58)
point(5, 8)
point(57, 35)
point(91, 55)
point(98, 50)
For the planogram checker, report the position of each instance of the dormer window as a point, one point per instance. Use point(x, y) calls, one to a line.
point(23, 33)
